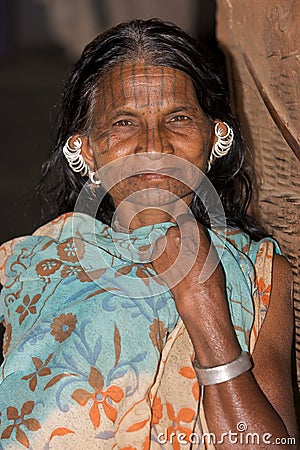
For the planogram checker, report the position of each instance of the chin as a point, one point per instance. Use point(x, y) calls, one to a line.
point(151, 194)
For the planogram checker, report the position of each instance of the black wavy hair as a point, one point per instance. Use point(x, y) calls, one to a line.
point(161, 44)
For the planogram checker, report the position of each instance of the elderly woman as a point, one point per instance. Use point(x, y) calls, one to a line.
point(152, 312)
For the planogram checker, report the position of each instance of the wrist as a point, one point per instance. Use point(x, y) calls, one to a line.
point(213, 337)
point(199, 297)
point(219, 374)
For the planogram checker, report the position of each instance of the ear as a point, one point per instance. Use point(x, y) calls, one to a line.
point(223, 127)
point(86, 150)
point(215, 137)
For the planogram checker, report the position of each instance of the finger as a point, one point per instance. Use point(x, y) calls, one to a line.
point(159, 247)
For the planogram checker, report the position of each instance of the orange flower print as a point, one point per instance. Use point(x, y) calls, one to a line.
point(157, 333)
point(184, 415)
point(41, 371)
point(261, 252)
point(47, 267)
point(146, 443)
point(264, 291)
point(19, 420)
point(99, 397)
point(27, 307)
point(71, 250)
point(188, 372)
point(157, 411)
point(63, 326)
point(128, 448)
point(7, 337)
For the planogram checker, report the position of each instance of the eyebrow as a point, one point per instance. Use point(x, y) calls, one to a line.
point(134, 113)
point(184, 108)
point(123, 112)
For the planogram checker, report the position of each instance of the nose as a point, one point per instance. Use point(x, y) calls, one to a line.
point(156, 141)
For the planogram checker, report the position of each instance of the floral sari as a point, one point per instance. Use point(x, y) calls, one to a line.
point(95, 353)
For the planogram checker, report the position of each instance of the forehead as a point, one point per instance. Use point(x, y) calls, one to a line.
point(138, 84)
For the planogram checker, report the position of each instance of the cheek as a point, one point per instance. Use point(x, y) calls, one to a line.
point(196, 145)
point(105, 153)
point(106, 144)
point(196, 152)
point(111, 148)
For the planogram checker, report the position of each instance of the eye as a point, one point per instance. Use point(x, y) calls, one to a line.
point(180, 118)
point(122, 123)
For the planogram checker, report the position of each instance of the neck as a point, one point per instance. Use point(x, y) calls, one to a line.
point(129, 216)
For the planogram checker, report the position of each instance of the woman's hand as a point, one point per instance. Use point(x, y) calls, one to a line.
point(189, 264)
point(187, 261)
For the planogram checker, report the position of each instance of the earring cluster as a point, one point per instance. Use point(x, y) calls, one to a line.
point(76, 160)
point(223, 144)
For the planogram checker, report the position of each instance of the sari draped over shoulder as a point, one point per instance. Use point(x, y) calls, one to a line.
point(95, 353)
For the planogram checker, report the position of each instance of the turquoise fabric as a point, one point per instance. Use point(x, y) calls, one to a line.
point(62, 321)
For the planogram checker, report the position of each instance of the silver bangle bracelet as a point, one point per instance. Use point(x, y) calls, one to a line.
point(215, 375)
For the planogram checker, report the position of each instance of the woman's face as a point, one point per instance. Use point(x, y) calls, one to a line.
point(151, 112)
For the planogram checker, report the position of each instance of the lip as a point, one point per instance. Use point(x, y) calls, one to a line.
point(151, 176)
point(160, 171)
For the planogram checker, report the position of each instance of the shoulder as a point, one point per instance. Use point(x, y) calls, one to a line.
point(54, 228)
point(282, 271)
point(281, 299)
point(16, 255)
point(278, 323)
point(277, 329)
